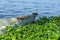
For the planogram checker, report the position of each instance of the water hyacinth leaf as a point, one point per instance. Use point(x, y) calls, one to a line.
point(42, 29)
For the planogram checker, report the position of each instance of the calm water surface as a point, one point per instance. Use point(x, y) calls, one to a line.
point(13, 8)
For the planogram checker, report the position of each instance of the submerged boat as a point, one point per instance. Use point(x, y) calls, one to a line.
point(19, 20)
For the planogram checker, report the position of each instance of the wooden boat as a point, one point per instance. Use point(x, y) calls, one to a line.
point(20, 20)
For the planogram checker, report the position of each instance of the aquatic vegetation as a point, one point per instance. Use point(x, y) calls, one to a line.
point(42, 29)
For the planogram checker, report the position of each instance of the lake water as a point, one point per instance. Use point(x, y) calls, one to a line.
point(13, 8)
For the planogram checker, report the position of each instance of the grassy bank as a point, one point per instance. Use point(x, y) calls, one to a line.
point(42, 29)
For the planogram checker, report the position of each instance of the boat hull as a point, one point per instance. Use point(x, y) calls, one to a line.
point(21, 20)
